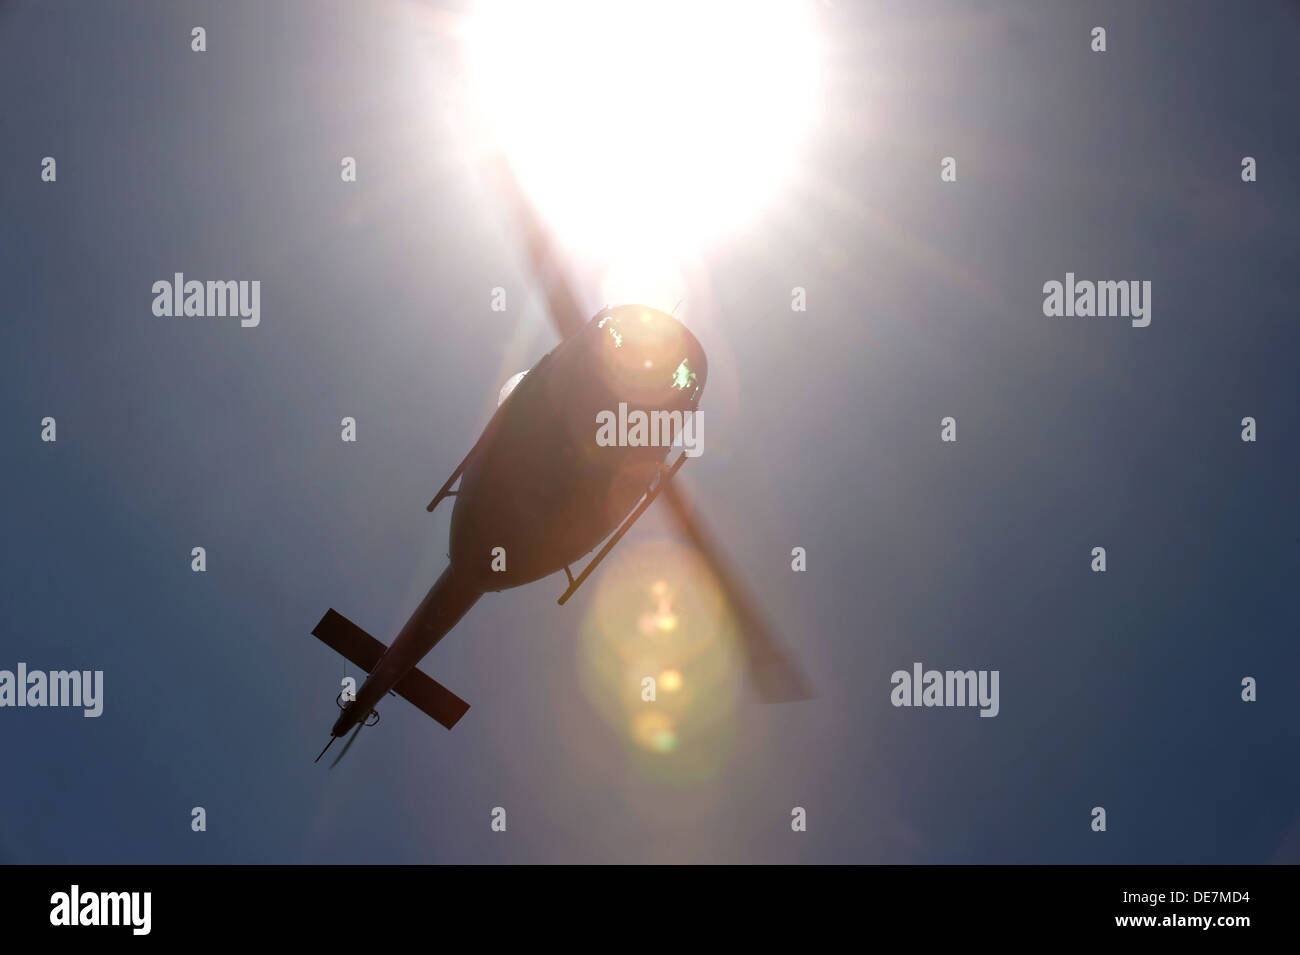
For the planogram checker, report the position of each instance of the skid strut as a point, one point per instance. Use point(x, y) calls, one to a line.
point(664, 476)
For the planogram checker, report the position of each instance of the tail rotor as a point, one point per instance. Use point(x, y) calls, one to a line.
point(348, 745)
point(372, 719)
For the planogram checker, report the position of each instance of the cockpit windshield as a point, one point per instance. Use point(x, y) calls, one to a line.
point(649, 356)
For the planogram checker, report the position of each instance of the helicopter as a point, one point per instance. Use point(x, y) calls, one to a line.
point(538, 491)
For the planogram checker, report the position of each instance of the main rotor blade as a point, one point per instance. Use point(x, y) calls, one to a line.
point(776, 676)
point(543, 261)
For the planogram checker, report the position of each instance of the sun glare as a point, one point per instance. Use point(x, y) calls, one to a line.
point(640, 127)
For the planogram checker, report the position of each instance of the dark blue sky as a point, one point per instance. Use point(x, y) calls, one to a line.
point(1118, 690)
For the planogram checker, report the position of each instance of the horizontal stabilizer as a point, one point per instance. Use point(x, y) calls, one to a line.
point(339, 633)
point(431, 696)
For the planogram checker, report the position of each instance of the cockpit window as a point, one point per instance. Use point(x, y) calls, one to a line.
point(618, 339)
point(649, 353)
point(683, 377)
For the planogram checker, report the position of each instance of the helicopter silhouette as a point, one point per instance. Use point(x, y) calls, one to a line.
point(538, 491)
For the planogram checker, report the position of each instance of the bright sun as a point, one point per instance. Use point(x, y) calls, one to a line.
point(646, 126)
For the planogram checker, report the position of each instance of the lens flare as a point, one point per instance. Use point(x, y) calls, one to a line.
point(654, 731)
point(658, 660)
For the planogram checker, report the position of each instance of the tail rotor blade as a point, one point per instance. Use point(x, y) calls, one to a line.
point(322, 752)
point(347, 746)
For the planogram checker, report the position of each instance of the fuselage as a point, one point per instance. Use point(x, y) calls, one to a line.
point(540, 490)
